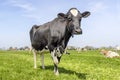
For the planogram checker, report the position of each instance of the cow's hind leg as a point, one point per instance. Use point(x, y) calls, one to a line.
point(34, 54)
point(42, 59)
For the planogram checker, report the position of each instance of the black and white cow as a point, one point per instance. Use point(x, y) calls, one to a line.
point(56, 34)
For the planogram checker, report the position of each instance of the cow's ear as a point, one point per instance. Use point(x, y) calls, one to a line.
point(85, 14)
point(61, 15)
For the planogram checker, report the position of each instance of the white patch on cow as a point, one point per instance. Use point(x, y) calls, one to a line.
point(74, 12)
point(58, 53)
point(54, 57)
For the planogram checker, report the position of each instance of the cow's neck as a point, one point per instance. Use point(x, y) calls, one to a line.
point(67, 36)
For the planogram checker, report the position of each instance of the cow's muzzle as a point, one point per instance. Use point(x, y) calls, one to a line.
point(78, 31)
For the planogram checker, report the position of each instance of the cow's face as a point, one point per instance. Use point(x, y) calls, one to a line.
point(74, 19)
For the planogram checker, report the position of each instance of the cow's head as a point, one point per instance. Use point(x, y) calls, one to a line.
point(73, 18)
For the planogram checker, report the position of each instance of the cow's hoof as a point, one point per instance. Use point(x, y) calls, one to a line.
point(57, 73)
point(43, 67)
point(35, 66)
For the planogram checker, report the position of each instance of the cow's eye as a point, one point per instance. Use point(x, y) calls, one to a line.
point(70, 19)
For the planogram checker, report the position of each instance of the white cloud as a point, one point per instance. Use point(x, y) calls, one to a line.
point(27, 9)
point(26, 6)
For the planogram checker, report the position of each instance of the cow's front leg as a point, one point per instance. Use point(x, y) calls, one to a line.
point(56, 69)
point(56, 61)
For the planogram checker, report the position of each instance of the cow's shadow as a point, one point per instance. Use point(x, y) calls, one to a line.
point(65, 71)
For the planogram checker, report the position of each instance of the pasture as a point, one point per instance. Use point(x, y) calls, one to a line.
point(86, 65)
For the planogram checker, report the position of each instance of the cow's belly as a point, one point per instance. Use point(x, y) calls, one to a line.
point(39, 45)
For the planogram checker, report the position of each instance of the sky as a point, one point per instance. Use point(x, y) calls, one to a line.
point(101, 28)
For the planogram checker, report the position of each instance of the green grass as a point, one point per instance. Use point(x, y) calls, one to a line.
point(87, 65)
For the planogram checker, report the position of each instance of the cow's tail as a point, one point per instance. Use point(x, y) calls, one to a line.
point(32, 31)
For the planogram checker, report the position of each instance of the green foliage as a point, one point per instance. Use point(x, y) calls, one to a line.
point(86, 65)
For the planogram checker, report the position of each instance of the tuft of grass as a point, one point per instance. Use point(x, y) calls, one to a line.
point(86, 65)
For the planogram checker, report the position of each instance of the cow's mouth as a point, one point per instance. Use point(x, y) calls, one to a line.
point(77, 32)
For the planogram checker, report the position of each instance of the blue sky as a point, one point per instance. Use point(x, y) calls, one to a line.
point(101, 28)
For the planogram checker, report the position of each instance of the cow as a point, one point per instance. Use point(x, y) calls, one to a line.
point(109, 54)
point(55, 35)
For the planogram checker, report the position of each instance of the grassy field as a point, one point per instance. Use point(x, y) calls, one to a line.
point(87, 65)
